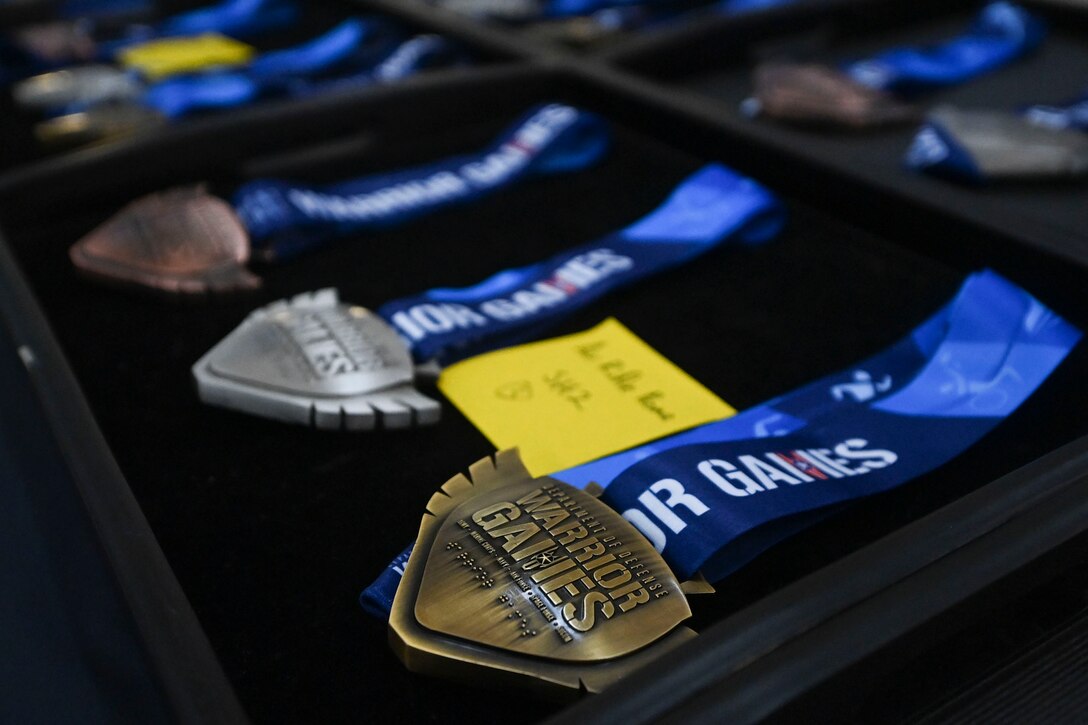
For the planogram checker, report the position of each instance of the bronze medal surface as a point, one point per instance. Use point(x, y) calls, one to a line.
point(181, 241)
point(817, 94)
point(529, 580)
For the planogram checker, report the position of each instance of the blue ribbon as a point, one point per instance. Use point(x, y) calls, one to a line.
point(1002, 33)
point(1073, 114)
point(711, 207)
point(417, 54)
point(236, 18)
point(714, 497)
point(936, 150)
point(285, 219)
point(342, 46)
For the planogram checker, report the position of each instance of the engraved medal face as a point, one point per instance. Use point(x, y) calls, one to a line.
point(82, 84)
point(181, 241)
point(516, 578)
point(818, 94)
point(314, 361)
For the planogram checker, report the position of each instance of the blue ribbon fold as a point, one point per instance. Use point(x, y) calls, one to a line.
point(1073, 114)
point(1001, 33)
point(935, 150)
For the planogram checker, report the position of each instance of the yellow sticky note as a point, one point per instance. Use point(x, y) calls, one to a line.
point(157, 59)
point(573, 399)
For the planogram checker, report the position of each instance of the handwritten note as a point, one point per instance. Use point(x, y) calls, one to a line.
point(158, 59)
point(573, 399)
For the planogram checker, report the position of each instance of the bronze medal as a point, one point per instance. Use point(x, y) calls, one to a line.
point(57, 42)
point(525, 580)
point(179, 241)
point(817, 94)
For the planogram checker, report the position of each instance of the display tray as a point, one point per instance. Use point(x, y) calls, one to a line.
point(716, 70)
point(21, 147)
point(273, 529)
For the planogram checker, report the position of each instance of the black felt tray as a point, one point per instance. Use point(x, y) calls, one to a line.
point(273, 530)
point(714, 71)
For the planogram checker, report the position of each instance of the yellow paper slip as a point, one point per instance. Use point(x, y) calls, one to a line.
point(158, 59)
point(573, 399)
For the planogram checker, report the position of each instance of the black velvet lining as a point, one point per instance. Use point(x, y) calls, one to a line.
point(273, 530)
point(1057, 72)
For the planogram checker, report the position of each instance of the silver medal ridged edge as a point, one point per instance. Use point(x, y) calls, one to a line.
point(400, 406)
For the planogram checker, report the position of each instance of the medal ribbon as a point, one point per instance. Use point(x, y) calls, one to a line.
point(1069, 115)
point(236, 18)
point(284, 219)
point(343, 45)
point(402, 61)
point(712, 498)
point(711, 207)
point(1002, 33)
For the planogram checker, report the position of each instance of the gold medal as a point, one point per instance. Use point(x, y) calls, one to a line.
point(525, 580)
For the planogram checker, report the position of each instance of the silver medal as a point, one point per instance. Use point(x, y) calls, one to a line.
point(314, 361)
point(87, 84)
point(1006, 146)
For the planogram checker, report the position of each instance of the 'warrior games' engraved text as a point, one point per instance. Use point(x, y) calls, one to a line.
point(584, 571)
